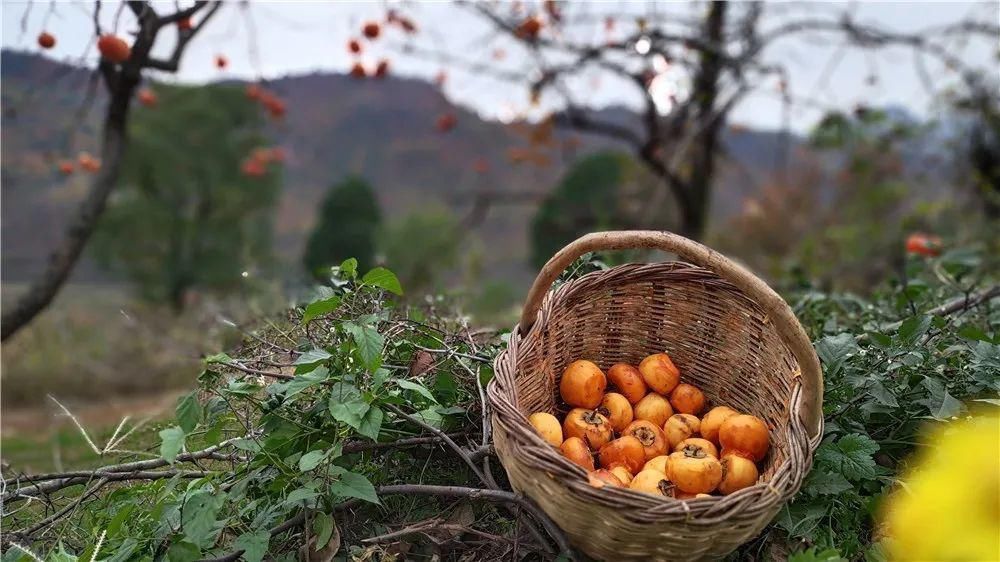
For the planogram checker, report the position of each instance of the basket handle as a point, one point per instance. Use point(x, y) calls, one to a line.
point(778, 311)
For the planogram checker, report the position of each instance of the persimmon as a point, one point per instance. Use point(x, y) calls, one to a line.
point(446, 122)
point(626, 450)
point(548, 427)
point(252, 168)
point(590, 426)
point(653, 408)
point(184, 24)
point(66, 167)
point(358, 70)
point(687, 399)
point(275, 107)
point(371, 30)
point(623, 473)
point(694, 472)
point(652, 482)
point(737, 473)
point(113, 48)
point(746, 436)
point(923, 244)
point(382, 70)
point(253, 92)
point(654, 442)
point(354, 46)
point(616, 408)
point(529, 28)
point(660, 373)
point(578, 453)
point(221, 62)
point(88, 163)
point(46, 40)
point(600, 478)
point(628, 380)
point(697, 443)
point(147, 97)
point(582, 384)
point(680, 427)
point(712, 421)
point(657, 463)
point(278, 154)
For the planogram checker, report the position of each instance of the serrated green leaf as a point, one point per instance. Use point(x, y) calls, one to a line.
point(814, 555)
point(311, 460)
point(834, 351)
point(940, 403)
point(352, 485)
point(378, 378)
point(349, 268)
point(383, 278)
point(416, 387)
point(851, 456)
point(825, 483)
point(254, 545)
point(369, 343)
point(882, 395)
point(61, 555)
point(189, 412)
point(318, 308)
point(301, 382)
point(171, 443)
point(371, 423)
point(912, 328)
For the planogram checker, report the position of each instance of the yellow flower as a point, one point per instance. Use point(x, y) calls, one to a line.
point(948, 504)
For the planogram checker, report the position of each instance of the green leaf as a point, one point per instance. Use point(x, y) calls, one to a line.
point(318, 308)
point(371, 423)
point(183, 552)
point(311, 460)
point(124, 551)
point(299, 495)
point(851, 456)
point(378, 378)
point(825, 483)
point(352, 485)
point(351, 412)
point(189, 412)
point(323, 526)
point(941, 404)
point(62, 556)
point(974, 333)
point(416, 387)
point(302, 382)
point(834, 351)
point(218, 358)
point(198, 519)
point(312, 357)
point(349, 268)
point(431, 416)
point(369, 343)
point(171, 443)
point(254, 545)
point(812, 555)
point(882, 395)
point(383, 278)
point(912, 328)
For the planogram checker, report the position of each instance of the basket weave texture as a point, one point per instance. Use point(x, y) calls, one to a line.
point(729, 336)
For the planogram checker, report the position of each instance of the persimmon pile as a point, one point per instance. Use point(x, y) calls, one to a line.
point(643, 428)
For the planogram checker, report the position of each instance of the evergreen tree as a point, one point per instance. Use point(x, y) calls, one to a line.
point(346, 228)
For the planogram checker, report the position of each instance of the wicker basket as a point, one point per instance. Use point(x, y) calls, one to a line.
point(729, 334)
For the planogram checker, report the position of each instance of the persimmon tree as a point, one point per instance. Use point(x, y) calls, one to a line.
point(121, 72)
point(688, 73)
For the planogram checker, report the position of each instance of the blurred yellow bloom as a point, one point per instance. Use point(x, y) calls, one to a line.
point(948, 506)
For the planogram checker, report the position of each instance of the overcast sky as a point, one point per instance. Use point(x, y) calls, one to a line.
point(301, 37)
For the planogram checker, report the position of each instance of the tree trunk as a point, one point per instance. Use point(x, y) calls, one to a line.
point(64, 258)
point(706, 123)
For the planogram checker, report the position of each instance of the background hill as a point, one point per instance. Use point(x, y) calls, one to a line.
point(336, 126)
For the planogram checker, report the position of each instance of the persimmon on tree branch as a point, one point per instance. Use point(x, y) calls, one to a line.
point(722, 52)
point(120, 82)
